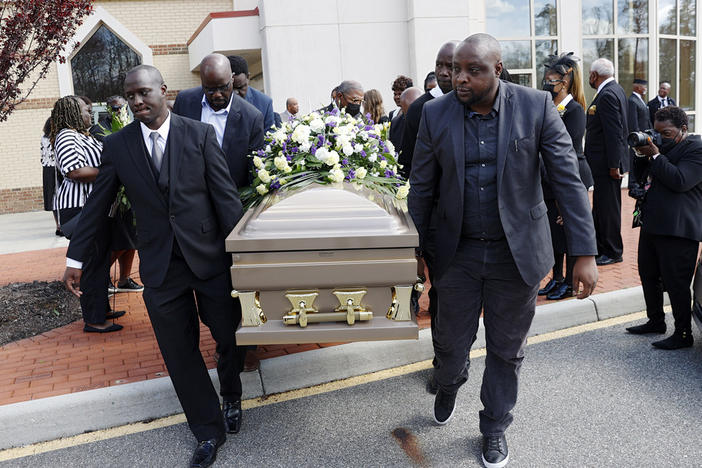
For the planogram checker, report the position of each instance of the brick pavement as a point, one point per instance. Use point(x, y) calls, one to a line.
point(66, 360)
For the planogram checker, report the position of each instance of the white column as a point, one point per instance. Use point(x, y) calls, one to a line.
point(570, 27)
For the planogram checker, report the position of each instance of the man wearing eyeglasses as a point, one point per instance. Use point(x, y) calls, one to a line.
point(349, 96)
point(238, 125)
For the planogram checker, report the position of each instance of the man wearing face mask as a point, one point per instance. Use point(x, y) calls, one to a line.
point(607, 154)
point(349, 97)
point(671, 226)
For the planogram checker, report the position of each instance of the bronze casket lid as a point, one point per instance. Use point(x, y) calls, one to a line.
point(324, 217)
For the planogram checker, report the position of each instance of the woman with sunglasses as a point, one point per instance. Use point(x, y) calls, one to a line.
point(562, 79)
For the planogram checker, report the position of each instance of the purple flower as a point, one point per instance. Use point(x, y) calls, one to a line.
point(388, 173)
point(363, 153)
point(351, 175)
point(382, 158)
point(313, 150)
point(275, 184)
point(331, 124)
point(345, 162)
point(368, 127)
point(261, 153)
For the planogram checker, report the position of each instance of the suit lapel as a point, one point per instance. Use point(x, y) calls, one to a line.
point(457, 132)
point(134, 141)
point(232, 124)
point(504, 129)
point(175, 152)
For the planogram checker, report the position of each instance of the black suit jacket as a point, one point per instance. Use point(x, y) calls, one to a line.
point(654, 104)
point(439, 160)
point(606, 131)
point(639, 117)
point(409, 138)
point(673, 203)
point(197, 207)
point(243, 133)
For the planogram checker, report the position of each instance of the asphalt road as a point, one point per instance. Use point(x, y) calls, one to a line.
point(595, 399)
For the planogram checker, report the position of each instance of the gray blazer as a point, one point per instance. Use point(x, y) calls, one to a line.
point(528, 125)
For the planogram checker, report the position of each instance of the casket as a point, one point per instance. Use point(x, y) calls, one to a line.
point(325, 264)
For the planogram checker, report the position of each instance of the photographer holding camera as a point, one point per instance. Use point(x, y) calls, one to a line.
point(669, 167)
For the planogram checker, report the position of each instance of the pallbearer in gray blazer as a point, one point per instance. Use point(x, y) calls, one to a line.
point(481, 143)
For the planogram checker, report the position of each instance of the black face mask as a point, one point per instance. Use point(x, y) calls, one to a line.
point(550, 88)
point(353, 109)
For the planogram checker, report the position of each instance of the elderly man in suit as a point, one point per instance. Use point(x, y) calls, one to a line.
point(637, 111)
point(608, 156)
point(492, 239)
point(238, 125)
point(660, 101)
point(185, 204)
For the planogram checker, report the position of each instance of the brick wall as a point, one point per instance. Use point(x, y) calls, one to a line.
point(19, 200)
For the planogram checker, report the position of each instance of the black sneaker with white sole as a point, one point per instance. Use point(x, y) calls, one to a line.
point(129, 286)
point(495, 451)
point(444, 406)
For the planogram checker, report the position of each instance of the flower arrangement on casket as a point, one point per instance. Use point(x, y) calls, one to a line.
point(325, 148)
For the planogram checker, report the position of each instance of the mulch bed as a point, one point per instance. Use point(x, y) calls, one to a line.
point(29, 309)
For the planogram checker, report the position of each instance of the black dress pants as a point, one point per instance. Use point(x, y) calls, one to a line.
point(607, 215)
point(174, 308)
point(471, 285)
point(667, 261)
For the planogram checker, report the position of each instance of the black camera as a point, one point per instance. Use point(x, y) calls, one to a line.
point(641, 138)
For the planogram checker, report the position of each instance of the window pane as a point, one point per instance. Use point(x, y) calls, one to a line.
point(100, 65)
point(543, 50)
point(667, 17)
point(688, 17)
point(633, 62)
point(523, 79)
point(516, 54)
point(545, 23)
point(691, 123)
point(508, 18)
point(597, 17)
point(667, 70)
point(632, 16)
point(592, 50)
point(687, 75)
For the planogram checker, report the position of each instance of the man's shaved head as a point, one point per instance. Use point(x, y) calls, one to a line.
point(408, 96)
point(152, 72)
point(217, 62)
point(484, 45)
point(216, 79)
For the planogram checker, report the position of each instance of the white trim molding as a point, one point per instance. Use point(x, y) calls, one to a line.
point(99, 17)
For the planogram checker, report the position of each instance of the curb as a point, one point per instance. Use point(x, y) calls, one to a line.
point(45, 419)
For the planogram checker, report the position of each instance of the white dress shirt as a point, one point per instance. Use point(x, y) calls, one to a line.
point(436, 91)
point(146, 134)
point(639, 96)
point(218, 119)
point(602, 85)
point(663, 101)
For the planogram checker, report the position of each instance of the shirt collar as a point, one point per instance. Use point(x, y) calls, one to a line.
point(162, 130)
point(205, 103)
point(602, 85)
point(662, 99)
point(436, 91)
point(639, 96)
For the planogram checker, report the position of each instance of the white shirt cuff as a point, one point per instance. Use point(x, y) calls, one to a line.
point(655, 155)
point(74, 263)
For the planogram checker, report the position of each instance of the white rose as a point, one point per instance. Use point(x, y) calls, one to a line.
point(336, 175)
point(301, 134)
point(280, 162)
point(402, 192)
point(258, 162)
point(261, 189)
point(373, 157)
point(322, 154)
point(305, 147)
point(358, 147)
point(391, 147)
point(264, 176)
point(317, 125)
point(287, 169)
point(348, 150)
point(332, 158)
point(383, 164)
point(361, 173)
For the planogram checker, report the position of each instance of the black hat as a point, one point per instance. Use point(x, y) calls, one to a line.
point(640, 81)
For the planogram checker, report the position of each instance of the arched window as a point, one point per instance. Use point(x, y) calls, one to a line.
point(98, 68)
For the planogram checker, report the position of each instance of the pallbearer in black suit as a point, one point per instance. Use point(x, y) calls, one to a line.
point(671, 229)
point(607, 153)
point(185, 204)
point(563, 81)
point(238, 125)
point(479, 145)
point(639, 120)
point(660, 101)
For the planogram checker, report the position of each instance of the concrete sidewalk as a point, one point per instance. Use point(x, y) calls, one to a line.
point(46, 379)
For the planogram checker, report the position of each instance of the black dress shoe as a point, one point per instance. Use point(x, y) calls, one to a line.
point(113, 314)
point(432, 385)
point(495, 451)
point(562, 291)
point(605, 260)
point(231, 410)
point(444, 406)
point(548, 288)
point(648, 327)
point(206, 452)
point(112, 328)
point(679, 339)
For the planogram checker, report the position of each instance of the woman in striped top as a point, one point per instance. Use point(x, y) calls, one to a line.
point(77, 159)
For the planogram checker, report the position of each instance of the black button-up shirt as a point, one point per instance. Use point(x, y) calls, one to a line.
point(481, 215)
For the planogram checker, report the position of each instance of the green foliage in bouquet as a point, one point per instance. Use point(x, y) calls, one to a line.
point(325, 148)
point(119, 119)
